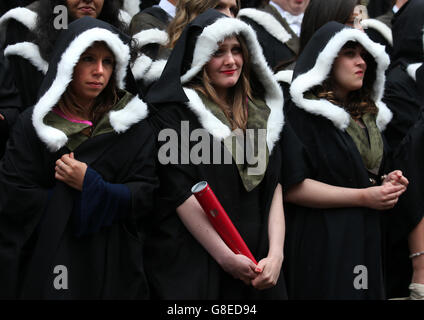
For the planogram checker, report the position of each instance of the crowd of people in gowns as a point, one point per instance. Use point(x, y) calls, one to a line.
point(304, 117)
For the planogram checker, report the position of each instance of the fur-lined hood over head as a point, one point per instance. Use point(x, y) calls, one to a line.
point(193, 51)
point(315, 64)
point(71, 44)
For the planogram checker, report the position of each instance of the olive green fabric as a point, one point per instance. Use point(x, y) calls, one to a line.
point(370, 145)
point(258, 113)
point(74, 130)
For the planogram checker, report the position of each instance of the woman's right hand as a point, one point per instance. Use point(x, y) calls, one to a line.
point(383, 197)
point(240, 267)
point(1, 117)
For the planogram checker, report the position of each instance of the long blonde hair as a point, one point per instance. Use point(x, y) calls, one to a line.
point(235, 108)
point(187, 11)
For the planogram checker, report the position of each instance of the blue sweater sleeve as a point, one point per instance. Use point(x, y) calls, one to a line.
point(99, 204)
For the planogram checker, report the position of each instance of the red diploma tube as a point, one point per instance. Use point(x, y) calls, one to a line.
point(220, 220)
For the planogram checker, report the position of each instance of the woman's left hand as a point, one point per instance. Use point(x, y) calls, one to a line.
point(70, 171)
point(396, 177)
point(270, 271)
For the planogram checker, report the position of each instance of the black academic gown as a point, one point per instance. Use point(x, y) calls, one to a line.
point(328, 249)
point(185, 270)
point(38, 234)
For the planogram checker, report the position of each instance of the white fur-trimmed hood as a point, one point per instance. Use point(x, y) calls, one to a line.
point(29, 51)
point(380, 27)
point(268, 22)
point(120, 120)
point(206, 45)
point(23, 15)
point(323, 65)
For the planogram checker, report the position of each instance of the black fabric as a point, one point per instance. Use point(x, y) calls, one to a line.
point(402, 97)
point(324, 245)
point(158, 13)
point(185, 270)
point(275, 51)
point(376, 36)
point(9, 103)
point(38, 234)
point(168, 88)
point(378, 7)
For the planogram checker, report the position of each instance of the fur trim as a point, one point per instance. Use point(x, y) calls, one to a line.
point(285, 76)
point(207, 44)
point(147, 70)
point(135, 111)
point(23, 15)
point(219, 130)
point(132, 7)
point(54, 138)
point(155, 71)
point(379, 26)
point(124, 17)
point(268, 22)
point(412, 70)
point(149, 36)
point(322, 68)
point(29, 51)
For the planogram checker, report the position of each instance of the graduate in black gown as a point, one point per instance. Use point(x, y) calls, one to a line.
point(402, 95)
point(78, 177)
point(202, 93)
point(334, 233)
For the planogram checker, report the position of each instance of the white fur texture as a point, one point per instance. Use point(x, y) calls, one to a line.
point(131, 6)
point(383, 29)
point(322, 68)
point(135, 111)
point(29, 51)
point(151, 36)
point(54, 138)
point(23, 15)
point(268, 22)
point(412, 70)
point(206, 45)
point(284, 76)
point(124, 17)
point(147, 70)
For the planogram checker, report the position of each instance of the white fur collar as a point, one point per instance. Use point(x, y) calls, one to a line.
point(322, 68)
point(23, 15)
point(268, 22)
point(29, 51)
point(220, 131)
point(124, 17)
point(147, 70)
point(131, 6)
point(284, 76)
point(151, 36)
point(412, 70)
point(207, 44)
point(382, 28)
point(120, 120)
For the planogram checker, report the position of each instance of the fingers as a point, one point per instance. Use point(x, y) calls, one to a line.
point(1, 117)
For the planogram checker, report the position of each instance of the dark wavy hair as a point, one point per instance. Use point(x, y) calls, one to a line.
point(46, 34)
point(357, 102)
point(319, 12)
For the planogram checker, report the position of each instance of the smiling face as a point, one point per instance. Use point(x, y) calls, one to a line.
point(224, 68)
point(92, 73)
point(349, 69)
point(81, 8)
point(227, 7)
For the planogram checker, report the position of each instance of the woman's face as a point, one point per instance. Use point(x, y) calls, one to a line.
point(227, 7)
point(359, 13)
point(92, 73)
point(80, 8)
point(225, 67)
point(349, 70)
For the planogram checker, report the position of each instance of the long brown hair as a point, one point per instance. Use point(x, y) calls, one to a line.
point(235, 108)
point(357, 102)
point(186, 11)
